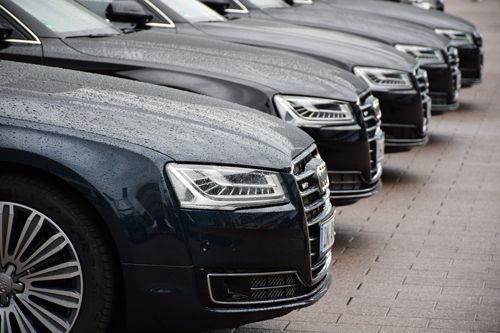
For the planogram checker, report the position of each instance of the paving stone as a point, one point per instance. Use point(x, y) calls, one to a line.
point(389, 329)
point(439, 314)
point(328, 327)
point(273, 324)
point(383, 321)
point(471, 291)
point(461, 324)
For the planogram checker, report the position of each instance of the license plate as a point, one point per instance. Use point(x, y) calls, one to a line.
point(380, 149)
point(327, 235)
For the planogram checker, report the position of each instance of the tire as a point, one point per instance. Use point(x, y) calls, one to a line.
point(68, 286)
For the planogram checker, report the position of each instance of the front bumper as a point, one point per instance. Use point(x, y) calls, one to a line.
point(168, 297)
point(405, 118)
point(353, 155)
point(223, 245)
point(348, 155)
point(444, 87)
point(471, 64)
point(347, 187)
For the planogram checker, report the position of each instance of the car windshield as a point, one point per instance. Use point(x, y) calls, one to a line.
point(193, 11)
point(67, 18)
point(269, 3)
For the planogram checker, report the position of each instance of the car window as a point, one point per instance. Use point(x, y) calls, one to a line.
point(16, 33)
point(66, 18)
point(193, 11)
point(269, 3)
point(236, 5)
point(96, 6)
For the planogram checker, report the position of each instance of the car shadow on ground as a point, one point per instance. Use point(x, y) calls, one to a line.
point(436, 140)
point(400, 177)
point(467, 107)
point(343, 238)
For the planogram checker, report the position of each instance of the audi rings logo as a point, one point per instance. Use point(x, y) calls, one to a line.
point(322, 176)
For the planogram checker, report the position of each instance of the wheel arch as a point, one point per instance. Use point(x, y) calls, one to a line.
point(67, 186)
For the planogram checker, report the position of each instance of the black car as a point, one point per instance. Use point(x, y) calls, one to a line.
point(395, 78)
point(435, 53)
point(424, 4)
point(334, 106)
point(463, 34)
point(165, 209)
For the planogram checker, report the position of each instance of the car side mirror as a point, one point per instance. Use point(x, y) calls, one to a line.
point(5, 32)
point(127, 12)
point(219, 6)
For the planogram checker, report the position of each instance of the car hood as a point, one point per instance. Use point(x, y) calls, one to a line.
point(384, 29)
point(430, 18)
point(184, 126)
point(281, 72)
point(338, 48)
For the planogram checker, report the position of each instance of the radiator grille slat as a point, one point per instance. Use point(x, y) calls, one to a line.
point(371, 115)
point(317, 206)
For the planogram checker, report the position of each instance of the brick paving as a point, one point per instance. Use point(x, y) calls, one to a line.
point(424, 254)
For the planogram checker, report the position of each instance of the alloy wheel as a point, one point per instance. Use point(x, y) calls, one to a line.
point(41, 279)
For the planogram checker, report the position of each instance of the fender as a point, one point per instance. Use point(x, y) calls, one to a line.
point(129, 191)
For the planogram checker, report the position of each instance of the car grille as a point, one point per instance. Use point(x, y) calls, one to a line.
point(423, 87)
point(454, 63)
point(370, 108)
point(478, 39)
point(317, 208)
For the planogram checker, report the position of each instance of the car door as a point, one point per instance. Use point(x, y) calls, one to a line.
point(22, 45)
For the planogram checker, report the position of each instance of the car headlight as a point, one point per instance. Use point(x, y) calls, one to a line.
point(313, 112)
point(225, 188)
point(457, 37)
point(384, 79)
point(424, 55)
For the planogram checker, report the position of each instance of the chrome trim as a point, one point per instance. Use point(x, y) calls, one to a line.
point(360, 195)
point(445, 107)
point(170, 23)
point(470, 82)
point(36, 40)
point(326, 266)
point(306, 152)
point(325, 214)
point(407, 143)
point(242, 10)
point(304, 175)
point(309, 298)
point(309, 191)
point(250, 275)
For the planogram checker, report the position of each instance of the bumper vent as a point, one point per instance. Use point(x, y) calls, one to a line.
point(269, 287)
point(247, 289)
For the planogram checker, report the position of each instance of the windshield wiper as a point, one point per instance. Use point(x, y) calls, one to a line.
point(93, 36)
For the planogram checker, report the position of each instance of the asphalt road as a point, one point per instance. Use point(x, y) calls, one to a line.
point(424, 254)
